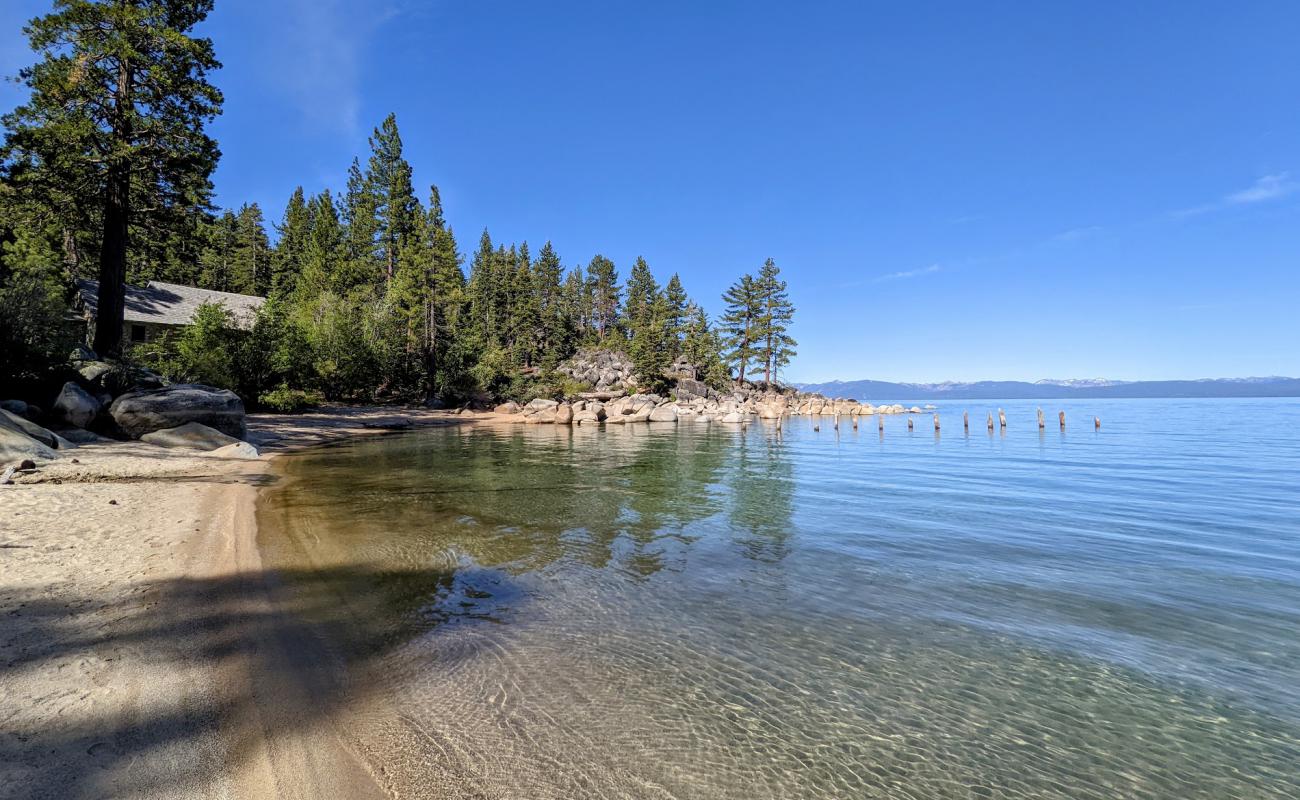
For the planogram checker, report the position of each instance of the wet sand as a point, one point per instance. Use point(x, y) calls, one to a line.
point(146, 652)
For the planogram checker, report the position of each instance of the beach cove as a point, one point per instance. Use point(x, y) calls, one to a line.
point(473, 607)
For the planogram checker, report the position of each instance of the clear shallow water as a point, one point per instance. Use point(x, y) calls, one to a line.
point(703, 611)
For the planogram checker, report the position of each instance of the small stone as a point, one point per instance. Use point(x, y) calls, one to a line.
point(112, 502)
point(26, 463)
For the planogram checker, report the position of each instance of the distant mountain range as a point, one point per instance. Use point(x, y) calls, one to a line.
point(887, 392)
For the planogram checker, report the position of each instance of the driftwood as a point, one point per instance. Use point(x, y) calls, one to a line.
point(601, 395)
point(5, 478)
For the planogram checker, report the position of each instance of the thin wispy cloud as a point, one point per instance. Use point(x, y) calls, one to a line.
point(1264, 189)
point(911, 273)
point(1075, 234)
point(1269, 187)
point(317, 54)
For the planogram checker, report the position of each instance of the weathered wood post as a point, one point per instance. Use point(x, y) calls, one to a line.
point(837, 420)
point(965, 421)
point(1096, 423)
point(1002, 418)
point(936, 421)
point(855, 422)
point(909, 423)
point(1062, 416)
point(1041, 425)
point(880, 421)
point(990, 422)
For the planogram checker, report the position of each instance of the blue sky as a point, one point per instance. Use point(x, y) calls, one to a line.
point(953, 190)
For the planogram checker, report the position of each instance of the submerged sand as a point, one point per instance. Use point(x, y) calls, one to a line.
point(144, 649)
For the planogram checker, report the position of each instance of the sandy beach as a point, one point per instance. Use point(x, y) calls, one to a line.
point(145, 652)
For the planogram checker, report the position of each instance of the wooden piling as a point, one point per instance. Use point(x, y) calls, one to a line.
point(965, 420)
point(936, 421)
point(1041, 424)
point(1002, 418)
point(837, 421)
point(990, 422)
point(1096, 423)
point(909, 423)
point(880, 421)
point(1062, 417)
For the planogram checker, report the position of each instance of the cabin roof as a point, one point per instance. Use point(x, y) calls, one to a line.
point(171, 303)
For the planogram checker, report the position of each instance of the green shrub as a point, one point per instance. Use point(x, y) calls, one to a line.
point(35, 335)
point(286, 400)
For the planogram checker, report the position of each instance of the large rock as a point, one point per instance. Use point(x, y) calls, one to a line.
point(664, 413)
point(14, 422)
point(585, 416)
point(16, 446)
point(543, 417)
point(510, 407)
point(190, 436)
point(540, 404)
point(75, 406)
point(138, 413)
point(563, 414)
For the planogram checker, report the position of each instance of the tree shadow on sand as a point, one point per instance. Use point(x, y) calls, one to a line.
point(265, 651)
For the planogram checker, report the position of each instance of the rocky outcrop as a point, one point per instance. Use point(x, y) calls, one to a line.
point(190, 436)
point(692, 401)
point(141, 412)
point(507, 408)
point(76, 406)
point(605, 370)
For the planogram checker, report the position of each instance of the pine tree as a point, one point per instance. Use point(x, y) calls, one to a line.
point(251, 258)
point(291, 250)
point(702, 348)
point(216, 257)
point(641, 293)
point(602, 278)
point(322, 251)
point(547, 275)
point(677, 302)
point(360, 265)
point(738, 325)
point(117, 108)
point(482, 291)
point(396, 206)
point(772, 325)
point(524, 312)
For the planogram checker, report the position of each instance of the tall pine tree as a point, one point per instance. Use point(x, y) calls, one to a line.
point(739, 325)
point(772, 326)
point(117, 108)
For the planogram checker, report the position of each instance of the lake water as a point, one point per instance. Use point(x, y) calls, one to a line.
point(705, 611)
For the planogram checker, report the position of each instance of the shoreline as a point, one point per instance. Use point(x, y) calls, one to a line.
point(145, 651)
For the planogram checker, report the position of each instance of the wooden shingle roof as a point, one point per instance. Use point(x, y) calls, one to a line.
point(171, 303)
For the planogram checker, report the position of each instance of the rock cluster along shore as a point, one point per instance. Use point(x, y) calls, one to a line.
point(108, 400)
point(736, 407)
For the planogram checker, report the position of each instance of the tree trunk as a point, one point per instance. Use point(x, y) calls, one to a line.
point(117, 220)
